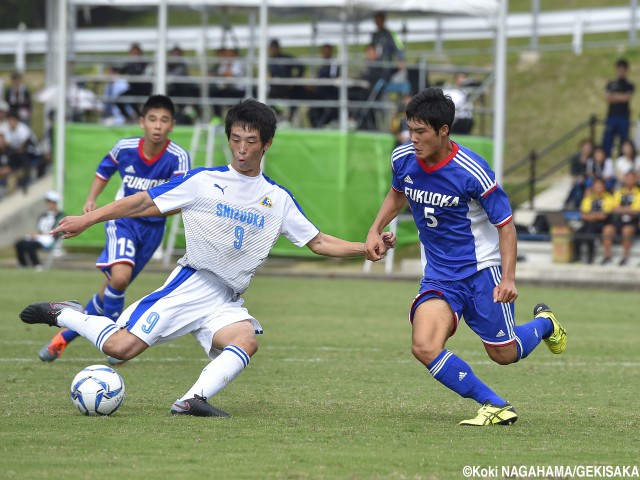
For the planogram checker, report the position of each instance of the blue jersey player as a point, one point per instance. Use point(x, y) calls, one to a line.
point(142, 163)
point(233, 215)
point(469, 242)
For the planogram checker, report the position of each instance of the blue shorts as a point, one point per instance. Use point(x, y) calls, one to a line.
point(472, 298)
point(130, 241)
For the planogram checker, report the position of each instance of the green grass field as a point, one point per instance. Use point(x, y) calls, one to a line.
point(333, 392)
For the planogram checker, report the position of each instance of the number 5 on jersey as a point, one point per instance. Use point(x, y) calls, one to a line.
point(432, 221)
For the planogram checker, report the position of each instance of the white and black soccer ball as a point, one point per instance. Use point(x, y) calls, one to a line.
point(97, 390)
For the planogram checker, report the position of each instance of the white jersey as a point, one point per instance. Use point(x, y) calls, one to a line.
point(231, 221)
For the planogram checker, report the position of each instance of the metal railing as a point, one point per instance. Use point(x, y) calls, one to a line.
point(534, 157)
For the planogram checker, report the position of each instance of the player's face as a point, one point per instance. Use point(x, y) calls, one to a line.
point(157, 124)
point(246, 149)
point(429, 147)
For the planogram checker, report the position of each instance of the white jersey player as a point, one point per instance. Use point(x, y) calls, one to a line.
point(232, 216)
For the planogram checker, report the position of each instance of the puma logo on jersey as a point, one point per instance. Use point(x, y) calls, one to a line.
point(266, 202)
point(130, 169)
point(407, 179)
point(221, 188)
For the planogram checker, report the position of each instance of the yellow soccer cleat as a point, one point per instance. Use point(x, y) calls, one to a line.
point(493, 415)
point(557, 341)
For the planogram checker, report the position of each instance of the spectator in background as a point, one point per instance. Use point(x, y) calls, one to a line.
point(6, 169)
point(372, 73)
point(463, 122)
point(177, 67)
point(115, 111)
point(601, 166)
point(283, 65)
point(232, 69)
point(624, 218)
point(595, 209)
point(628, 160)
point(22, 145)
point(578, 168)
point(4, 112)
point(27, 247)
point(618, 95)
point(18, 97)
point(136, 66)
point(329, 70)
point(399, 126)
point(389, 47)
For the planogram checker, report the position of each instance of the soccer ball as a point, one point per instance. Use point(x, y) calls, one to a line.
point(97, 390)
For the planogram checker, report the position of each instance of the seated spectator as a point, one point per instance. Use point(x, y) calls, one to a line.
point(627, 161)
point(6, 169)
point(595, 209)
point(374, 74)
point(136, 66)
point(330, 69)
point(578, 166)
point(232, 69)
point(601, 166)
point(23, 150)
point(282, 65)
point(27, 247)
point(4, 113)
point(624, 218)
point(177, 67)
point(115, 111)
point(459, 93)
point(399, 127)
point(18, 97)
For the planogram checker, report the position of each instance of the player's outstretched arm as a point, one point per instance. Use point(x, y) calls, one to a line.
point(329, 246)
point(375, 246)
point(323, 244)
point(125, 207)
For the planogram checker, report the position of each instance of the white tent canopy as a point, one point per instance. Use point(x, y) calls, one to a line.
point(343, 9)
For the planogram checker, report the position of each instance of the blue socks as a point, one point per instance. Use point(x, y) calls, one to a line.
point(456, 374)
point(113, 302)
point(529, 335)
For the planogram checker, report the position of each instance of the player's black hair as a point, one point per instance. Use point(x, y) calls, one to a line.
point(158, 101)
point(432, 107)
point(251, 114)
point(622, 63)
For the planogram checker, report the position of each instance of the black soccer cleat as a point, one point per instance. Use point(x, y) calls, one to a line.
point(196, 406)
point(47, 312)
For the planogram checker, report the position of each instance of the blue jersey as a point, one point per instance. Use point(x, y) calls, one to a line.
point(457, 206)
point(139, 173)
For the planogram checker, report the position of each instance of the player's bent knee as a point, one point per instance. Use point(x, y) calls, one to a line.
point(503, 355)
point(425, 352)
point(124, 345)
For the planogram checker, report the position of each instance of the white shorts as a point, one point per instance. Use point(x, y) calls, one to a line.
point(190, 301)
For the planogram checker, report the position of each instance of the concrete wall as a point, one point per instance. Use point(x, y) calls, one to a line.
point(19, 212)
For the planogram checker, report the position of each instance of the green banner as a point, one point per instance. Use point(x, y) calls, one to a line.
point(339, 179)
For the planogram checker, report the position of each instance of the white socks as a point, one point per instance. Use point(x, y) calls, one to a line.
point(95, 329)
point(219, 373)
